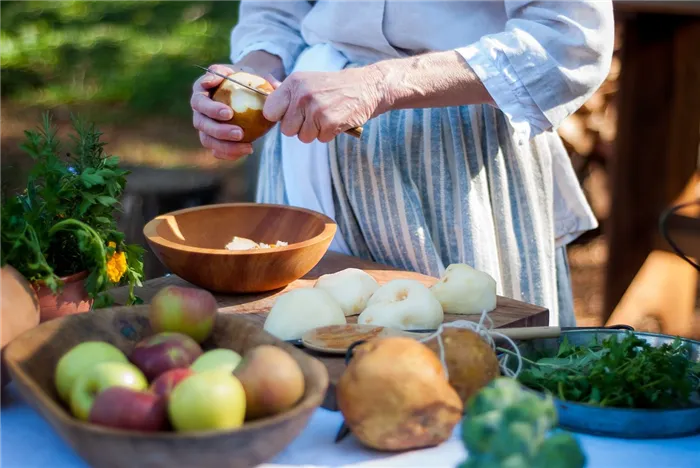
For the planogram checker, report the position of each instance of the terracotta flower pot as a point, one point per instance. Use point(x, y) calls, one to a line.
point(72, 299)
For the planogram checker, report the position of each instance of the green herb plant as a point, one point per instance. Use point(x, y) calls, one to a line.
point(626, 373)
point(507, 426)
point(63, 222)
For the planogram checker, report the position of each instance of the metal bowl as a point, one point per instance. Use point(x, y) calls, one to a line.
point(617, 422)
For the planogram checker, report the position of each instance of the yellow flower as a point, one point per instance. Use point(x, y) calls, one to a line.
point(116, 266)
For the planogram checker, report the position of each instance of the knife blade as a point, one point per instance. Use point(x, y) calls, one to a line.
point(343, 432)
point(255, 90)
point(356, 132)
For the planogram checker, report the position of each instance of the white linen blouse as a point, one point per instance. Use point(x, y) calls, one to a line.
point(539, 60)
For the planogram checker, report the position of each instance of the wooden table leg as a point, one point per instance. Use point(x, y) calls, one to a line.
point(656, 158)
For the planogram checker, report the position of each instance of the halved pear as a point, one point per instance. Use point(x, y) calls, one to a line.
point(351, 288)
point(301, 310)
point(403, 304)
point(465, 290)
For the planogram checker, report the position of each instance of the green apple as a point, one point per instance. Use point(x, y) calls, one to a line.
point(207, 400)
point(217, 359)
point(81, 358)
point(101, 377)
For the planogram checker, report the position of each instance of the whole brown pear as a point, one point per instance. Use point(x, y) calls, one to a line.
point(471, 362)
point(394, 396)
point(272, 380)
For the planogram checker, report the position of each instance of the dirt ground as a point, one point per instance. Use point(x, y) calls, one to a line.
point(168, 143)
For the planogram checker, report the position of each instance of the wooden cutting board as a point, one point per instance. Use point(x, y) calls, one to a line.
point(508, 312)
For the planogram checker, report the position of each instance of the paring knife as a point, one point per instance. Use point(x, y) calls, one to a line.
point(356, 132)
point(335, 339)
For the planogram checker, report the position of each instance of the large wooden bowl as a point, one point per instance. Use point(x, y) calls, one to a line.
point(31, 359)
point(191, 243)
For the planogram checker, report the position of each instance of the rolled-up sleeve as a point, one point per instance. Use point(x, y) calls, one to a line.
point(549, 60)
point(273, 27)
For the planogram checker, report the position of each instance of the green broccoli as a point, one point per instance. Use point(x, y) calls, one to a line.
point(506, 426)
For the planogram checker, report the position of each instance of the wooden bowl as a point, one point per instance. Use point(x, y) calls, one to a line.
point(191, 243)
point(31, 359)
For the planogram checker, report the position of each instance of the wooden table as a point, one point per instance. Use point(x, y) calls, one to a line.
point(655, 165)
point(508, 313)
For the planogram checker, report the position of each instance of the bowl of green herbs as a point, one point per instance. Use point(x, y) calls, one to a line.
point(617, 383)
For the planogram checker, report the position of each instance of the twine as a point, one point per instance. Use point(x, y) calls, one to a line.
point(484, 328)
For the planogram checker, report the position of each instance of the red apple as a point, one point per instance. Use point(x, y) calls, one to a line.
point(184, 310)
point(125, 408)
point(164, 351)
point(167, 381)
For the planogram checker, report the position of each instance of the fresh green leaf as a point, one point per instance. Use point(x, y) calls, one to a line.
point(61, 223)
point(106, 200)
point(625, 373)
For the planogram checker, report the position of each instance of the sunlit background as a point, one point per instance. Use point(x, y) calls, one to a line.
point(128, 66)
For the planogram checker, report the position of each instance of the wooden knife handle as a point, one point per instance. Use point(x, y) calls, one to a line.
point(356, 132)
point(530, 333)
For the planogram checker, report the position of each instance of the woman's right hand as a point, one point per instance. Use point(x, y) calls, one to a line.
point(209, 116)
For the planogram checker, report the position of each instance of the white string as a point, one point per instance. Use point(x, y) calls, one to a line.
point(487, 333)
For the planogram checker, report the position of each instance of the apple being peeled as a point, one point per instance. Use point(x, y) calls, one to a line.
point(190, 311)
point(164, 351)
point(167, 381)
point(98, 379)
point(247, 106)
point(125, 408)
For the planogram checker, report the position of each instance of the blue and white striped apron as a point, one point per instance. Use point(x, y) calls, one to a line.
point(425, 188)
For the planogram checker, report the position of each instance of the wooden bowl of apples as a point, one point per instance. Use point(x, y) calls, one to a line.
point(240, 247)
point(173, 384)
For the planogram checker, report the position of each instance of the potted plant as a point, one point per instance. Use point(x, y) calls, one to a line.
point(60, 232)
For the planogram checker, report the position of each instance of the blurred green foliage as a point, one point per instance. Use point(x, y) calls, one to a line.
point(135, 54)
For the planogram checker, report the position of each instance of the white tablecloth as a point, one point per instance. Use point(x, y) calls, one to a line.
point(28, 441)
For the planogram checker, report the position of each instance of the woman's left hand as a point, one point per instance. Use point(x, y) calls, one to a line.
point(321, 105)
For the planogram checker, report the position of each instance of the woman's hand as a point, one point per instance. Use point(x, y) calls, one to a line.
point(208, 115)
point(320, 105)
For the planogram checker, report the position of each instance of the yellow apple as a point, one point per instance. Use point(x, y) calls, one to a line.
point(217, 359)
point(208, 400)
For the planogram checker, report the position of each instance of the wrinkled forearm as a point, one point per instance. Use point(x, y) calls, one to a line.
point(436, 79)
